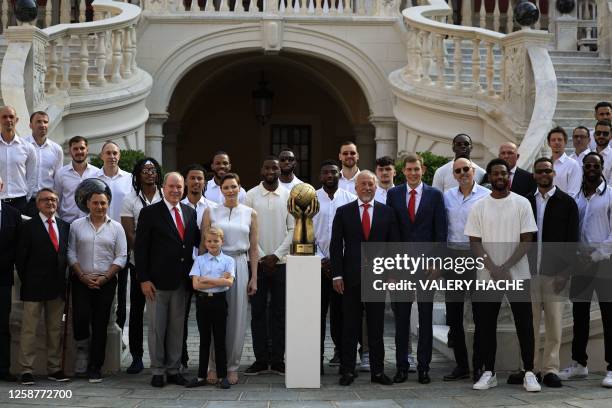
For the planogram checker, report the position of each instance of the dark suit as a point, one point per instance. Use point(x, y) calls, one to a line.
point(522, 182)
point(165, 260)
point(10, 223)
point(430, 225)
point(345, 254)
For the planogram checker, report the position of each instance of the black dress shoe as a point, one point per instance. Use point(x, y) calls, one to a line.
point(381, 379)
point(552, 380)
point(401, 375)
point(177, 379)
point(346, 379)
point(424, 377)
point(516, 378)
point(8, 377)
point(457, 374)
point(157, 381)
point(197, 382)
point(476, 374)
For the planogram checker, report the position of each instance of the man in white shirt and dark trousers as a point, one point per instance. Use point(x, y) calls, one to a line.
point(568, 174)
point(595, 213)
point(17, 162)
point(349, 157)
point(269, 200)
point(288, 163)
point(603, 135)
point(220, 165)
point(580, 141)
point(49, 156)
point(443, 178)
point(330, 198)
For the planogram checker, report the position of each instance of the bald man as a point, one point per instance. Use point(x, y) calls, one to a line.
point(521, 181)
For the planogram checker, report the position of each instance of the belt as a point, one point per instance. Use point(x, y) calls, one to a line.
point(235, 253)
point(209, 295)
point(13, 199)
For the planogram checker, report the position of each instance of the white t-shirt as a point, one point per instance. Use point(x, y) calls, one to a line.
point(500, 223)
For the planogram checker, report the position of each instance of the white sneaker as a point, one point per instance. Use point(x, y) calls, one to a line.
point(365, 362)
point(575, 370)
point(607, 381)
point(530, 382)
point(487, 380)
point(412, 362)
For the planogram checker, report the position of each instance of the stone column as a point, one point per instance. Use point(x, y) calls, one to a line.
point(154, 135)
point(364, 137)
point(386, 136)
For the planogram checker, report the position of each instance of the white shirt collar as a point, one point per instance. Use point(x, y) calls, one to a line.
point(264, 191)
point(44, 218)
point(563, 158)
point(360, 203)
point(16, 139)
point(351, 179)
point(170, 206)
point(419, 188)
point(549, 194)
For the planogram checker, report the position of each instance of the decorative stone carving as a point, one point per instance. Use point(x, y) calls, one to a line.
point(272, 35)
point(388, 8)
point(39, 71)
point(514, 69)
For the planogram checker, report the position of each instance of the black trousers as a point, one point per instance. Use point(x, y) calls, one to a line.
point(332, 300)
point(520, 303)
point(30, 209)
point(272, 330)
point(137, 306)
point(91, 308)
point(5, 333)
point(352, 313)
point(122, 278)
point(211, 314)
point(18, 203)
point(581, 293)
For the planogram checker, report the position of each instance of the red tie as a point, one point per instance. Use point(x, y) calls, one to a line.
point(179, 223)
point(365, 221)
point(411, 205)
point(52, 234)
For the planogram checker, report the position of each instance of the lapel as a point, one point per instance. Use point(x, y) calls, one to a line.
point(355, 212)
point(376, 220)
point(423, 203)
point(186, 220)
point(169, 219)
point(42, 229)
point(63, 235)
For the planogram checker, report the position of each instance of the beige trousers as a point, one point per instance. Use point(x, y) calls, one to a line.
point(544, 301)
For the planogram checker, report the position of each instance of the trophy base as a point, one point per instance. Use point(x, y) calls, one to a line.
point(302, 249)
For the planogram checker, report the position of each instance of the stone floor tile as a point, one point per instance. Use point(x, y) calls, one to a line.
point(431, 403)
point(386, 403)
point(269, 396)
point(301, 404)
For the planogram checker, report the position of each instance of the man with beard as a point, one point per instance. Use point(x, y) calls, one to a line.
point(556, 215)
point(443, 178)
point(269, 200)
point(595, 212)
point(49, 156)
point(567, 171)
point(602, 138)
point(349, 157)
point(362, 220)
point(330, 198)
point(287, 162)
point(500, 227)
point(521, 181)
point(68, 178)
point(580, 141)
point(220, 166)
point(603, 111)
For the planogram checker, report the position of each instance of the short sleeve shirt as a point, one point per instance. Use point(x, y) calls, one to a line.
point(213, 267)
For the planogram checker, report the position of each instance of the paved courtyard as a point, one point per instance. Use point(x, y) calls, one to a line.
point(268, 391)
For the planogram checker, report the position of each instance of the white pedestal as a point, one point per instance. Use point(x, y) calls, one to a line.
point(303, 322)
point(566, 34)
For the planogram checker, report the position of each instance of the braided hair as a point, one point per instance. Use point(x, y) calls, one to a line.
point(138, 169)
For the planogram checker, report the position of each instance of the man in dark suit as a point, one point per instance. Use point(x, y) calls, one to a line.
point(10, 222)
point(420, 212)
point(363, 220)
point(166, 234)
point(41, 265)
point(521, 181)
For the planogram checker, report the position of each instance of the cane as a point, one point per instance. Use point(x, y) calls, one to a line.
point(65, 319)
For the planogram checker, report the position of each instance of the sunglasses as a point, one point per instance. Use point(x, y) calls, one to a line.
point(601, 133)
point(149, 171)
point(589, 166)
point(462, 170)
point(544, 171)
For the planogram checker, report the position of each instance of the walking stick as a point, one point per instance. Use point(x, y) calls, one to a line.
point(65, 318)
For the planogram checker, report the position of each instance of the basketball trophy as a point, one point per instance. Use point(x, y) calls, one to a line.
point(303, 205)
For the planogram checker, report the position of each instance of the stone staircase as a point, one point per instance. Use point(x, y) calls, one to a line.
point(466, 63)
point(3, 45)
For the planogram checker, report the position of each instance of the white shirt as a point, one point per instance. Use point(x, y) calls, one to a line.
point(66, 181)
point(500, 223)
point(417, 197)
point(541, 202)
point(607, 156)
point(370, 210)
point(213, 193)
point(457, 210)
point(17, 168)
point(134, 203)
point(292, 183)
point(49, 159)
point(200, 206)
point(121, 186)
point(595, 214)
point(568, 175)
point(324, 219)
point(44, 219)
point(173, 214)
point(444, 180)
point(348, 184)
point(96, 250)
point(381, 193)
point(593, 143)
point(578, 158)
point(275, 231)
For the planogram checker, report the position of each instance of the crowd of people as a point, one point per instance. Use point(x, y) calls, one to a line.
point(178, 235)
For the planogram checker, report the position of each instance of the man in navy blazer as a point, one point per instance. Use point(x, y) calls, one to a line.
point(363, 220)
point(420, 212)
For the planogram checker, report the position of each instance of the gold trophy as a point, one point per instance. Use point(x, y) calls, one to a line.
point(303, 205)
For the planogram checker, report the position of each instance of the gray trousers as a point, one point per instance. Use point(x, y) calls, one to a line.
point(165, 317)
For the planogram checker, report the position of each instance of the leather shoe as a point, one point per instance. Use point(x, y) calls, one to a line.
point(424, 377)
point(476, 374)
point(177, 379)
point(157, 381)
point(516, 378)
point(552, 380)
point(346, 379)
point(400, 376)
point(8, 377)
point(381, 379)
point(457, 374)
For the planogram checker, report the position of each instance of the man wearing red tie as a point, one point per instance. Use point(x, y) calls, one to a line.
point(363, 220)
point(166, 234)
point(41, 265)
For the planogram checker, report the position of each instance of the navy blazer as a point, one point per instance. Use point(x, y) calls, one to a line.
point(430, 223)
point(10, 223)
point(347, 236)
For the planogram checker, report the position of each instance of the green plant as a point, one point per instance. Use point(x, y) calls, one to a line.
point(127, 161)
point(431, 161)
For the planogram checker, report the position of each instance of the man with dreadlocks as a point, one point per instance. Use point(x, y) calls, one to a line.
point(595, 214)
point(146, 181)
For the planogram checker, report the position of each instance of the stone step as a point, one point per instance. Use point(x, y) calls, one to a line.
point(573, 112)
point(575, 104)
point(584, 81)
point(573, 122)
point(589, 75)
point(585, 54)
point(598, 88)
point(579, 60)
point(594, 95)
point(583, 67)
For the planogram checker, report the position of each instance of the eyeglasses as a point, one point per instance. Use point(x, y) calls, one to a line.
point(594, 166)
point(149, 171)
point(601, 133)
point(48, 199)
point(544, 171)
point(462, 170)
